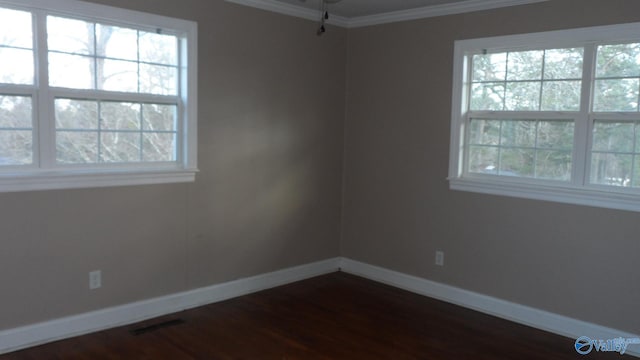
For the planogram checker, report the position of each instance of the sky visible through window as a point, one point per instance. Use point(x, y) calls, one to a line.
point(91, 57)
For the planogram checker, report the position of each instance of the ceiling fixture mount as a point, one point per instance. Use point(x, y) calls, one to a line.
point(324, 14)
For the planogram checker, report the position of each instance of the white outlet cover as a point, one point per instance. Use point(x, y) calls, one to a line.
point(95, 279)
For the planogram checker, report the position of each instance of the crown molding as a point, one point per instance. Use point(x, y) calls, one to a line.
point(292, 10)
point(435, 10)
point(389, 17)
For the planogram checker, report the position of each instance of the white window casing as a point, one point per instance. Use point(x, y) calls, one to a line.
point(580, 186)
point(47, 171)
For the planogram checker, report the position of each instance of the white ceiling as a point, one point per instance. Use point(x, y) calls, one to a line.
point(355, 13)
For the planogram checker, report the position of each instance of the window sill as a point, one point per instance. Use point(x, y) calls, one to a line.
point(75, 179)
point(591, 196)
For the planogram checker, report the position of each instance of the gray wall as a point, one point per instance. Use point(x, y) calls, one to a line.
point(573, 260)
point(271, 195)
point(268, 196)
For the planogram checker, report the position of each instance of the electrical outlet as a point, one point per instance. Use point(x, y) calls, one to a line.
point(95, 279)
point(440, 258)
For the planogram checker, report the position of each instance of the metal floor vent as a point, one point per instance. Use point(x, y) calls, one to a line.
point(154, 327)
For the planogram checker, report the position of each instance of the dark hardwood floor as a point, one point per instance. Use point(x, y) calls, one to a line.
point(336, 316)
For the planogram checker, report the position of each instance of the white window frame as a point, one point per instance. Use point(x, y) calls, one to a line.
point(43, 175)
point(578, 190)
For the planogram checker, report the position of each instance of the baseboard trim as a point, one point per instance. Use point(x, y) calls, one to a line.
point(58, 329)
point(540, 319)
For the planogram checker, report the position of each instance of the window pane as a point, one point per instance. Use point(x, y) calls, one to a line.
point(613, 136)
point(614, 153)
point(16, 29)
point(87, 55)
point(158, 49)
point(519, 133)
point(16, 44)
point(484, 132)
point(636, 172)
point(489, 67)
point(487, 96)
point(563, 63)
point(616, 95)
point(159, 147)
point(117, 136)
point(517, 162)
point(116, 75)
point(15, 112)
point(159, 117)
point(483, 159)
point(76, 147)
point(553, 165)
point(16, 66)
point(120, 116)
point(120, 147)
point(637, 135)
point(528, 148)
point(16, 147)
point(611, 169)
point(157, 79)
point(70, 36)
point(76, 114)
point(116, 42)
point(561, 95)
point(524, 65)
point(618, 60)
point(555, 135)
point(71, 71)
point(16, 136)
point(523, 96)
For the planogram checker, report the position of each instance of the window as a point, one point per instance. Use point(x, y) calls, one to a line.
point(552, 116)
point(92, 95)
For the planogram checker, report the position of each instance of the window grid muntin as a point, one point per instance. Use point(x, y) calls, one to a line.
point(23, 48)
point(22, 92)
point(95, 57)
point(99, 131)
point(582, 177)
point(609, 116)
point(505, 81)
point(597, 78)
point(40, 140)
point(43, 174)
point(617, 118)
point(26, 90)
point(537, 148)
point(579, 191)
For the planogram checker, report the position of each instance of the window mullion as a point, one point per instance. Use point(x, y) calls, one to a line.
point(582, 138)
point(463, 155)
point(45, 128)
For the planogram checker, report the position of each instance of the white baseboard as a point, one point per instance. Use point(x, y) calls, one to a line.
point(536, 318)
point(40, 333)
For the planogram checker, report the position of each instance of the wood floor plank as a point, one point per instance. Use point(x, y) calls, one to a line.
point(336, 316)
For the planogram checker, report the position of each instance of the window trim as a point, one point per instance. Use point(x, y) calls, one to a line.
point(577, 191)
point(33, 177)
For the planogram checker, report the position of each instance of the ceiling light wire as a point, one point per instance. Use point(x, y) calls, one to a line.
point(324, 16)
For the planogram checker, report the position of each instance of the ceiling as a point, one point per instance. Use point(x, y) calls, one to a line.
point(356, 13)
